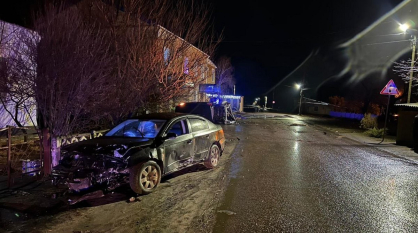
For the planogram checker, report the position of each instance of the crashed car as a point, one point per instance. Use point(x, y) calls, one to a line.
point(140, 151)
point(217, 113)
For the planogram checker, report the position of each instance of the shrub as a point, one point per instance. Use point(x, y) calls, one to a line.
point(368, 122)
point(377, 133)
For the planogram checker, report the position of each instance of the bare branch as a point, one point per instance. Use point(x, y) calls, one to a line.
point(224, 75)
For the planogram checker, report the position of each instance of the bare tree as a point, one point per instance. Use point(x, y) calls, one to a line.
point(225, 80)
point(95, 60)
point(403, 69)
point(158, 50)
point(74, 64)
point(18, 71)
point(73, 71)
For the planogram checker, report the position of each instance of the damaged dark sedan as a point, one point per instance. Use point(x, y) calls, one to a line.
point(140, 151)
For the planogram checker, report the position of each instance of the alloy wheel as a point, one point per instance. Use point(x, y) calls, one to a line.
point(149, 177)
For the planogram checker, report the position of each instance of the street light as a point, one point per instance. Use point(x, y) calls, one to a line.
point(300, 87)
point(405, 29)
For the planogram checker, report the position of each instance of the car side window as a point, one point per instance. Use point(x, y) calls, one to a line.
point(179, 128)
point(198, 124)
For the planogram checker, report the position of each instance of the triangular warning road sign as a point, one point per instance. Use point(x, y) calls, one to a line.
point(390, 89)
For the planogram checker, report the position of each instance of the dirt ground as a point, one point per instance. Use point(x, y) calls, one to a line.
point(184, 202)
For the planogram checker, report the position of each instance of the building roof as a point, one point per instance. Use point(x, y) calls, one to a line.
point(194, 47)
point(317, 102)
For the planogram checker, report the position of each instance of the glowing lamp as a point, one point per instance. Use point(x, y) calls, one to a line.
point(404, 27)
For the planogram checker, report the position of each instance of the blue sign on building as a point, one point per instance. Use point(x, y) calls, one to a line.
point(208, 88)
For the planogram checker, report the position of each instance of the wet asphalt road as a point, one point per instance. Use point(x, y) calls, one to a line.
point(289, 177)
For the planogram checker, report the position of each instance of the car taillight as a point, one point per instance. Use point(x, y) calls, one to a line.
point(220, 134)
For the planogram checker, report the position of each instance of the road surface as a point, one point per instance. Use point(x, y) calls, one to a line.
point(287, 176)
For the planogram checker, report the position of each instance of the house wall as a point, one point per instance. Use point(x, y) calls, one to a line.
point(201, 70)
point(317, 109)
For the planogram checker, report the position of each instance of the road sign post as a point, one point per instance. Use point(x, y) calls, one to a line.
point(389, 89)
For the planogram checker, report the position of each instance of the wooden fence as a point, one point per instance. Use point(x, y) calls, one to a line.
point(19, 145)
point(21, 151)
point(62, 141)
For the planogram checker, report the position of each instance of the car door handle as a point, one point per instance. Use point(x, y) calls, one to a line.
point(189, 141)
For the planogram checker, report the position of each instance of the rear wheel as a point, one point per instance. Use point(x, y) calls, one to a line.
point(145, 177)
point(213, 158)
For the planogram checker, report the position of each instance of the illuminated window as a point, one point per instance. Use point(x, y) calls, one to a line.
point(186, 65)
point(203, 72)
point(166, 55)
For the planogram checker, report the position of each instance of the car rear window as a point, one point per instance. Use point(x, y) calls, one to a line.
point(198, 124)
point(201, 109)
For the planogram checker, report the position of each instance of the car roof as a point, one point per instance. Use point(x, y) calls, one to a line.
point(164, 115)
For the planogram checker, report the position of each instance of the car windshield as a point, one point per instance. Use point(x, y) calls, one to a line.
point(141, 128)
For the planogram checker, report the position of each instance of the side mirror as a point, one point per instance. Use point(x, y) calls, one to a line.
point(170, 135)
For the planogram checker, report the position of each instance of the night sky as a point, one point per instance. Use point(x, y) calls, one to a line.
point(268, 39)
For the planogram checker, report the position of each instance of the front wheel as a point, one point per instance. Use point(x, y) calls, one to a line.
point(213, 158)
point(145, 177)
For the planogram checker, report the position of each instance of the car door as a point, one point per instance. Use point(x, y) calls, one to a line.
point(178, 150)
point(200, 131)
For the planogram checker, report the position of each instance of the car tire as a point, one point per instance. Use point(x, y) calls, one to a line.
point(145, 177)
point(213, 157)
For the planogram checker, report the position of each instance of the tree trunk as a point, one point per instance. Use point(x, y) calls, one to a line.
point(46, 144)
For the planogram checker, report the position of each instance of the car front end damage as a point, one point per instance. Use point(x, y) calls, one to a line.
point(100, 163)
point(82, 172)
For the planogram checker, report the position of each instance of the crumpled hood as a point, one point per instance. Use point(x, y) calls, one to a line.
point(107, 145)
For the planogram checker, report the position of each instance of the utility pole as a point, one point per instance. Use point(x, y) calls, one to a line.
point(265, 102)
point(411, 74)
point(300, 100)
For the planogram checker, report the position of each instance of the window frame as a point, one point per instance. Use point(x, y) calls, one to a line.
point(184, 125)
